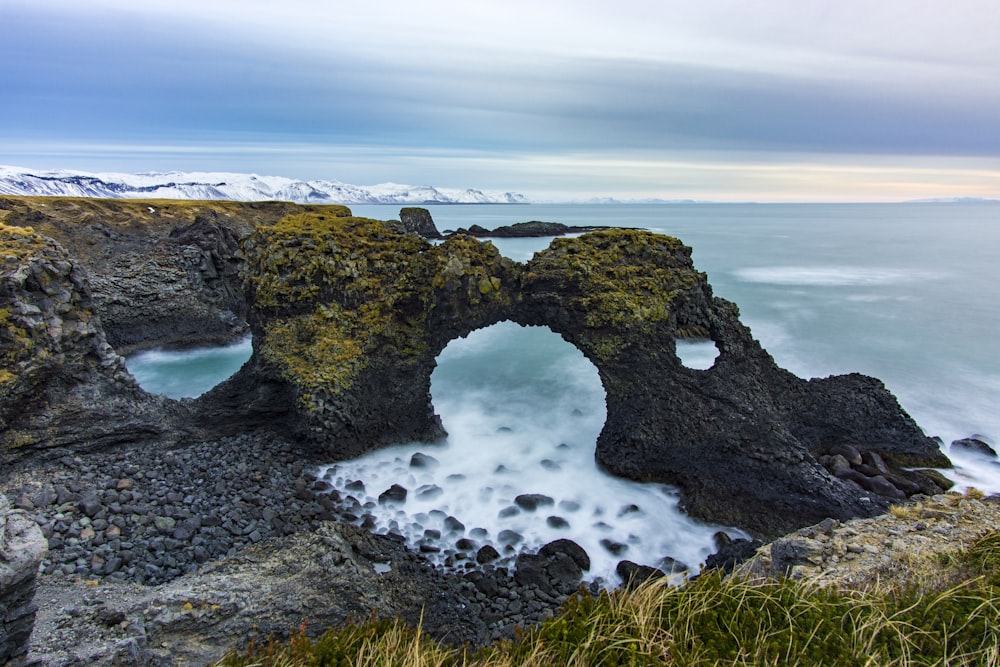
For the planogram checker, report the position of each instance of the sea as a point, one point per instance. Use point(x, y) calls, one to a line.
point(907, 293)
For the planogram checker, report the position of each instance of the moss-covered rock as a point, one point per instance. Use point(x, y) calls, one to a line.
point(349, 315)
point(162, 272)
point(61, 383)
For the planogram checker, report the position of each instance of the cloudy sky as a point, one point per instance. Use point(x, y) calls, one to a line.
point(780, 100)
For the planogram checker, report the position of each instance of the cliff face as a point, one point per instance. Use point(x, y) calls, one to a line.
point(61, 383)
point(348, 317)
point(162, 272)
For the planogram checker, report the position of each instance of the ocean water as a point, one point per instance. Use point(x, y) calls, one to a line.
point(187, 373)
point(904, 292)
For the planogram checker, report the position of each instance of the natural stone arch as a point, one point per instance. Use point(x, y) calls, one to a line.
point(349, 315)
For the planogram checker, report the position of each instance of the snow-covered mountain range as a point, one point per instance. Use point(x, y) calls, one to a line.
point(237, 187)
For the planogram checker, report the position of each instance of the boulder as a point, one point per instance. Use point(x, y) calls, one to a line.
point(22, 547)
point(974, 444)
point(418, 221)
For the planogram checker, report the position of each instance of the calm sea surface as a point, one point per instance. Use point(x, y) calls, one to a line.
point(907, 293)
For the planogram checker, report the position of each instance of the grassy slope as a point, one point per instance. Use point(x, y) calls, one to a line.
point(950, 619)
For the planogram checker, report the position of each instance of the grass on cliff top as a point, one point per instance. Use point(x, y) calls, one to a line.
point(48, 214)
point(714, 620)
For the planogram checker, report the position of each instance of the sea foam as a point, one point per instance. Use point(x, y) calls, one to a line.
point(523, 409)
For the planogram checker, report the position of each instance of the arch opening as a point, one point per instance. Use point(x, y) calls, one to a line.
point(188, 373)
point(523, 409)
point(697, 353)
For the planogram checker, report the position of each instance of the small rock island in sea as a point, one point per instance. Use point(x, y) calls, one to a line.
point(211, 502)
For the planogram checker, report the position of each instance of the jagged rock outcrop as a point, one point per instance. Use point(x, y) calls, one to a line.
point(22, 547)
point(418, 221)
point(61, 383)
point(348, 317)
point(530, 229)
point(161, 272)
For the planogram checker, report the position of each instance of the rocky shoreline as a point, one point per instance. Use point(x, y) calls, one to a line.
point(177, 530)
point(160, 555)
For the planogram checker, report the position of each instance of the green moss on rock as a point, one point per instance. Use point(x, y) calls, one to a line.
point(625, 281)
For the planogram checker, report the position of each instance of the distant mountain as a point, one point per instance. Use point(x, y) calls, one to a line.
point(237, 187)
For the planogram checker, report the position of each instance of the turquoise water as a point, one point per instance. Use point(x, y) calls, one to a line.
point(187, 373)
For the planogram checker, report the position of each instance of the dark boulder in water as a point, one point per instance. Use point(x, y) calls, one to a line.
point(633, 574)
point(976, 445)
point(487, 554)
point(421, 460)
point(532, 501)
point(510, 537)
point(394, 494)
point(613, 547)
point(730, 553)
point(569, 548)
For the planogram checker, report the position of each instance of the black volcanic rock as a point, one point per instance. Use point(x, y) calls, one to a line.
point(530, 229)
point(418, 221)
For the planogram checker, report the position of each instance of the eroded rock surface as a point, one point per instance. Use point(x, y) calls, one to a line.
point(62, 386)
point(161, 272)
point(348, 317)
point(22, 547)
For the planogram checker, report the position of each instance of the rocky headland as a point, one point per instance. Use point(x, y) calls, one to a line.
point(529, 229)
point(180, 527)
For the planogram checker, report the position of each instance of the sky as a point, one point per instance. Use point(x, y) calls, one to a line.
point(724, 100)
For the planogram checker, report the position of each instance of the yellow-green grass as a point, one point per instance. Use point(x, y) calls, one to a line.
point(711, 621)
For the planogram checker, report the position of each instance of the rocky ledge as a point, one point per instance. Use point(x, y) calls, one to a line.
point(898, 549)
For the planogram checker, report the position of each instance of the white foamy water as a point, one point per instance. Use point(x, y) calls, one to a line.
point(187, 373)
point(523, 410)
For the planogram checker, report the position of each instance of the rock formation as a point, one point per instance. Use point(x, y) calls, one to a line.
point(22, 547)
point(161, 272)
point(61, 383)
point(418, 221)
point(349, 316)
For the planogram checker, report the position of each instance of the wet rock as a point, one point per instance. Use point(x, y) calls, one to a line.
point(671, 565)
point(730, 553)
point(510, 537)
point(613, 547)
point(977, 445)
point(532, 501)
point(429, 491)
point(633, 574)
point(487, 554)
point(508, 512)
point(568, 548)
point(394, 494)
point(557, 522)
point(421, 460)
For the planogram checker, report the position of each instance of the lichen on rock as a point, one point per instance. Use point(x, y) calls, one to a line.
point(61, 383)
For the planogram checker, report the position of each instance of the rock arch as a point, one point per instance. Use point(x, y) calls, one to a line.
point(348, 316)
